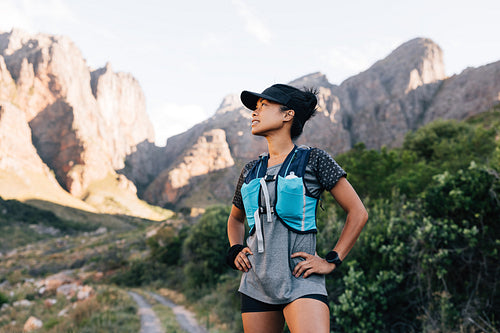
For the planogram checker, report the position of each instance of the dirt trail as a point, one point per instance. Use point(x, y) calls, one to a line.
point(185, 317)
point(150, 322)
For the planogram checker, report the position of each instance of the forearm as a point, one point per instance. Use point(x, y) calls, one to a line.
point(356, 216)
point(235, 231)
point(355, 222)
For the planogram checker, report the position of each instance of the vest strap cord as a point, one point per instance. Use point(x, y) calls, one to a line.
point(263, 186)
point(258, 232)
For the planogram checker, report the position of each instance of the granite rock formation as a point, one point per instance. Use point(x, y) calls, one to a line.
point(209, 153)
point(23, 174)
point(399, 93)
point(90, 128)
point(84, 123)
point(17, 153)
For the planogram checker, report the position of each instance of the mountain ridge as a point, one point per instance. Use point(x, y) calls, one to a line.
point(378, 106)
point(90, 126)
point(83, 122)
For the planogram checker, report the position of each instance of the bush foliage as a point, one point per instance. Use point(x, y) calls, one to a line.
point(427, 259)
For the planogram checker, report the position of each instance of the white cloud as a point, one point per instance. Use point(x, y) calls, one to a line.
point(253, 24)
point(170, 119)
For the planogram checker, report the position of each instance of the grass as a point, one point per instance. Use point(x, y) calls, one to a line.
point(86, 255)
point(22, 224)
point(110, 309)
point(104, 196)
point(488, 119)
point(108, 195)
point(167, 319)
point(100, 252)
point(37, 186)
point(109, 221)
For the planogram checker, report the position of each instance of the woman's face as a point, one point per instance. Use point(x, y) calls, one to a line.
point(267, 117)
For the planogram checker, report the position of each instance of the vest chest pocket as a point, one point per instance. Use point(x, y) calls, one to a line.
point(250, 195)
point(291, 201)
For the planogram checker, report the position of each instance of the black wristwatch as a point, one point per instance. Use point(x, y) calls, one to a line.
point(333, 258)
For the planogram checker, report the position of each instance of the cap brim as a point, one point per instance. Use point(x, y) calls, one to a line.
point(249, 99)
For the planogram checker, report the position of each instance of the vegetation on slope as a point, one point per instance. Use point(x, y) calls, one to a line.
point(426, 261)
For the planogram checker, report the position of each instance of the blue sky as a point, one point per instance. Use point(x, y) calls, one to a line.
point(188, 55)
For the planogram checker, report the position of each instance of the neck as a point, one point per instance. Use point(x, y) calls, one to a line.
point(279, 148)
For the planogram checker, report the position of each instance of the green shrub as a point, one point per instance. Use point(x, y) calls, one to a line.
point(166, 246)
point(139, 273)
point(205, 249)
point(3, 299)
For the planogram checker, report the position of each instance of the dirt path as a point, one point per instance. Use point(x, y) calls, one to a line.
point(150, 322)
point(185, 317)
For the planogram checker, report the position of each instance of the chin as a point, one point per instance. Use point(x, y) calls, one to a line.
point(257, 133)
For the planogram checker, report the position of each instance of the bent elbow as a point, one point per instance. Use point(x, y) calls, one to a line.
point(364, 217)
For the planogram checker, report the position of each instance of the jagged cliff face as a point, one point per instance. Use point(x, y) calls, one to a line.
point(17, 153)
point(23, 174)
point(372, 102)
point(210, 153)
point(84, 123)
point(399, 93)
point(57, 115)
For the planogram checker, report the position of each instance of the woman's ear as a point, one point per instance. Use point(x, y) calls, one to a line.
point(288, 115)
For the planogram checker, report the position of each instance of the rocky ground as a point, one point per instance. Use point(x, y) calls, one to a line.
point(53, 284)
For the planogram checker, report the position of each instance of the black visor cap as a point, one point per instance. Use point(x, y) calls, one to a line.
point(278, 93)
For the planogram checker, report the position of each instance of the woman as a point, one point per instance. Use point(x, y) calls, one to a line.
point(284, 279)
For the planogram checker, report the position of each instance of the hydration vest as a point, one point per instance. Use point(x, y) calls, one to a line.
point(294, 206)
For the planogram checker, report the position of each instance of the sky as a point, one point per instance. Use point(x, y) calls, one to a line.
point(188, 55)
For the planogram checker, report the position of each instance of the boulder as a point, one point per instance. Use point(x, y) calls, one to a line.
point(32, 324)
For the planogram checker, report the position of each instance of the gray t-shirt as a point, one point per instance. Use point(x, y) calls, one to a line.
point(270, 279)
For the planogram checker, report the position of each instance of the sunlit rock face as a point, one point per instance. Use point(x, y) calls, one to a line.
point(79, 125)
point(397, 94)
point(209, 153)
point(84, 122)
point(17, 153)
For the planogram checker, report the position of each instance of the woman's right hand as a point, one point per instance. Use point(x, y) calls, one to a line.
point(241, 261)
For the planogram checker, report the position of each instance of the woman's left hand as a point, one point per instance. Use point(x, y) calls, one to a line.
point(312, 264)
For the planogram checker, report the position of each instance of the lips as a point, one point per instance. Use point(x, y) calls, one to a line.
point(254, 122)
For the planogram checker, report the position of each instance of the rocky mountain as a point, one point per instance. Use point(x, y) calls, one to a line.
point(210, 153)
point(86, 132)
point(78, 122)
point(399, 93)
point(84, 122)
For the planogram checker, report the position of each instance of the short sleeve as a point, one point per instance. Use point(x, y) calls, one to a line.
point(237, 199)
point(327, 170)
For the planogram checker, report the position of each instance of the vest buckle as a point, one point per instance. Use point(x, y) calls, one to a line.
point(263, 210)
point(269, 178)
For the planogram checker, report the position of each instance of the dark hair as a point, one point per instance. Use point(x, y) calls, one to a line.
point(308, 102)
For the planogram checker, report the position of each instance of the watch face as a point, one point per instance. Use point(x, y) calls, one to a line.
point(333, 257)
